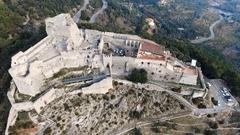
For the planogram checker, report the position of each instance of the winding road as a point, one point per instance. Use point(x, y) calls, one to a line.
point(95, 15)
point(77, 16)
point(212, 36)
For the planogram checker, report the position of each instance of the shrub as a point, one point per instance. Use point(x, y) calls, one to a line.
point(213, 125)
point(59, 118)
point(48, 131)
point(115, 83)
point(113, 96)
point(105, 97)
point(135, 114)
point(201, 105)
point(136, 131)
point(66, 107)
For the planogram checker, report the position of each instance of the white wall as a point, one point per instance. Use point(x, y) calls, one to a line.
point(101, 87)
point(189, 79)
point(45, 99)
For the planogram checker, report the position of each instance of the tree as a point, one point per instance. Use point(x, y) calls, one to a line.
point(215, 102)
point(138, 76)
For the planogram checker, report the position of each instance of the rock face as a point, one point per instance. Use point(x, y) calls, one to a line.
point(106, 113)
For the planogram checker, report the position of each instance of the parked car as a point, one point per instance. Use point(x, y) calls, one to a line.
point(208, 85)
point(230, 100)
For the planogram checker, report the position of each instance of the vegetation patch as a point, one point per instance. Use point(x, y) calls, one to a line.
point(23, 125)
point(138, 76)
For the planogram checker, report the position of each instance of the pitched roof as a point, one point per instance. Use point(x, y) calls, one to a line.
point(152, 48)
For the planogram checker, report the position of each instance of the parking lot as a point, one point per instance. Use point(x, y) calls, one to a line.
point(221, 93)
point(124, 51)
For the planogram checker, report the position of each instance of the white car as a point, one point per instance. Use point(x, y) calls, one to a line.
point(230, 100)
point(209, 84)
point(225, 89)
point(227, 94)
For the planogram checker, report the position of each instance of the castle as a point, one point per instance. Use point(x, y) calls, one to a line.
point(112, 54)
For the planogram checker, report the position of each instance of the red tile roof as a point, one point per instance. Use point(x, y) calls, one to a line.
point(152, 48)
point(189, 70)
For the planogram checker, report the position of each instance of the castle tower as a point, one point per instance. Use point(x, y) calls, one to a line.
point(63, 26)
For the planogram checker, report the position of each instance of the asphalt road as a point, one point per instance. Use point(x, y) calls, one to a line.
point(212, 35)
point(95, 15)
point(77, 16)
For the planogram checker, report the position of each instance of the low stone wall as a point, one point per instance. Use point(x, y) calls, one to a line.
point(12, 116)
point(23, 106)
point(200, 74)
point(44, 100)
point(10, 93)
